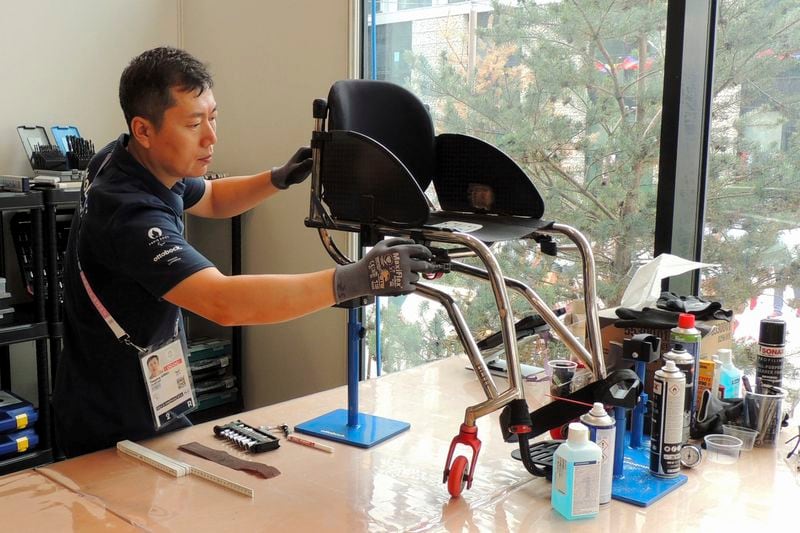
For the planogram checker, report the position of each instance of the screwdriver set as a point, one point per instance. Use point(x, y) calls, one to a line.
point(247, 437)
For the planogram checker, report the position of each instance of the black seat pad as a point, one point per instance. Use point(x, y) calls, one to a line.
point(492, 228)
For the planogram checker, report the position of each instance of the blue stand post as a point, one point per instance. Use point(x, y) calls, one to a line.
point(348, 426)
point(637, 419)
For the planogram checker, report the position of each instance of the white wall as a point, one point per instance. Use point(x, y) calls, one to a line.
point(61, 62)
point(270, 59)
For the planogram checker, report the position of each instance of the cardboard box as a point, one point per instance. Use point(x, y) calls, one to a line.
point(575, 319)
point(716, 334)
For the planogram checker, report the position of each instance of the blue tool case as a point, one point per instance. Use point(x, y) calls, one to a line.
point(18, 442)
point(15, 412)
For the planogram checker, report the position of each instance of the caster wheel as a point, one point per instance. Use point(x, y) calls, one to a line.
point(457, 477)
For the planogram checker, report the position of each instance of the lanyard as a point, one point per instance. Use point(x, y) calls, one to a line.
point(116, 329)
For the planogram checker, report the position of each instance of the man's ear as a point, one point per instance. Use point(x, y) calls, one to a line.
point(142, 130)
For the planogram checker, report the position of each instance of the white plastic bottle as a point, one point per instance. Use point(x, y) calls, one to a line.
point(576, 475)
point(730, 377)
point(717, 374)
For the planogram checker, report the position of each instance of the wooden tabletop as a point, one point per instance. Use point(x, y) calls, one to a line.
point(394, 486)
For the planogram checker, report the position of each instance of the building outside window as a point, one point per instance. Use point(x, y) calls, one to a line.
point(572, 91)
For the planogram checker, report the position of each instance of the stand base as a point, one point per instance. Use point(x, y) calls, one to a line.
point(637, 485)
point(369, 431)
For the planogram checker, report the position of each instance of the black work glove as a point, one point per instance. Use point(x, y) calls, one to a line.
point(391, 268)
point(714, 412)
point(685, 304)
point(296, 170)
point(700, 307)
point(646, 318)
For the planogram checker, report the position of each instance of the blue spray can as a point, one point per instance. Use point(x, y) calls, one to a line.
point(602, 432)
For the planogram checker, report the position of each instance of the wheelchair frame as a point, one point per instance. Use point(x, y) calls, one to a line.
point(454, 472)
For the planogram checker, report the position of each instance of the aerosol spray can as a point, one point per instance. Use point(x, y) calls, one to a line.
point(602, 432)
point(771, 345)
point(686, 335)
point(685, 363)
point(689, 337)
point(667, 421)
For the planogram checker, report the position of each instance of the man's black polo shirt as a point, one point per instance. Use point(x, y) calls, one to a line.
point(132, 250)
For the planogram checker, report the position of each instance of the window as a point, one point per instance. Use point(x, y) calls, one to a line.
point(572, 92)
point(751, 227)
point(394, 42)
point(412, 4)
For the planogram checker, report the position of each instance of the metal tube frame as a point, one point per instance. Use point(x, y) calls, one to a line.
point(515, 390)
point(589, 294)
point(462, 330)
point(540, 306)
point(495, 400)
point(593, 357)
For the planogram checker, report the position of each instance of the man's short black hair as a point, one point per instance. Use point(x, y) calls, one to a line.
point(144, 87)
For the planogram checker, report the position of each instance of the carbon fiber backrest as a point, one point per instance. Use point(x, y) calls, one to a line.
point(391, 115)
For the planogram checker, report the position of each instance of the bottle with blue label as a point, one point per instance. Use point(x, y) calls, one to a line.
point(730, 377)
point(576, 475)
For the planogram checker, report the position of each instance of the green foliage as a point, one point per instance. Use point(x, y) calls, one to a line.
point(553, 86)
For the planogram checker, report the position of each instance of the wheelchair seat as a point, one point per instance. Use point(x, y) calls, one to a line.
point(381, 154)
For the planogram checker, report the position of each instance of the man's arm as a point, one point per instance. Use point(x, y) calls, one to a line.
point(390, 268)
point(253, 299)
point(229, 197)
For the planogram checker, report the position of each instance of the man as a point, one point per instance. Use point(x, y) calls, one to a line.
point(129, 270)
point(154, 366)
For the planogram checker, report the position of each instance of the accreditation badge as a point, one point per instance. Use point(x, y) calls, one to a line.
point(169, 382)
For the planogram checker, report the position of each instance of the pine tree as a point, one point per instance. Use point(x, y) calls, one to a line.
point(572, 91)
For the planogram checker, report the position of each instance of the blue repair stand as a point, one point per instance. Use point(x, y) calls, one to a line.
point(348, 426)
point(633, 482)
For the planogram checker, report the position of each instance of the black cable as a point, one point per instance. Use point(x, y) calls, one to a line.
point(525, 456)
point(796, 444)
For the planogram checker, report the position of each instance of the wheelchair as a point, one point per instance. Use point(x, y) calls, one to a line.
point(374, 153)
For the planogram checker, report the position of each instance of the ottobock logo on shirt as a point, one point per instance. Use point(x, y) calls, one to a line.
point(156, 237)
point(169, 251)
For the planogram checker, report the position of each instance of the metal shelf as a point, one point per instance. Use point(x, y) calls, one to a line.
point(14, 333)
point(30, 325)
point(10, 201)
point(33, 458)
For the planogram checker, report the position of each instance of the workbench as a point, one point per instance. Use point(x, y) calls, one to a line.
point(394, 486)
